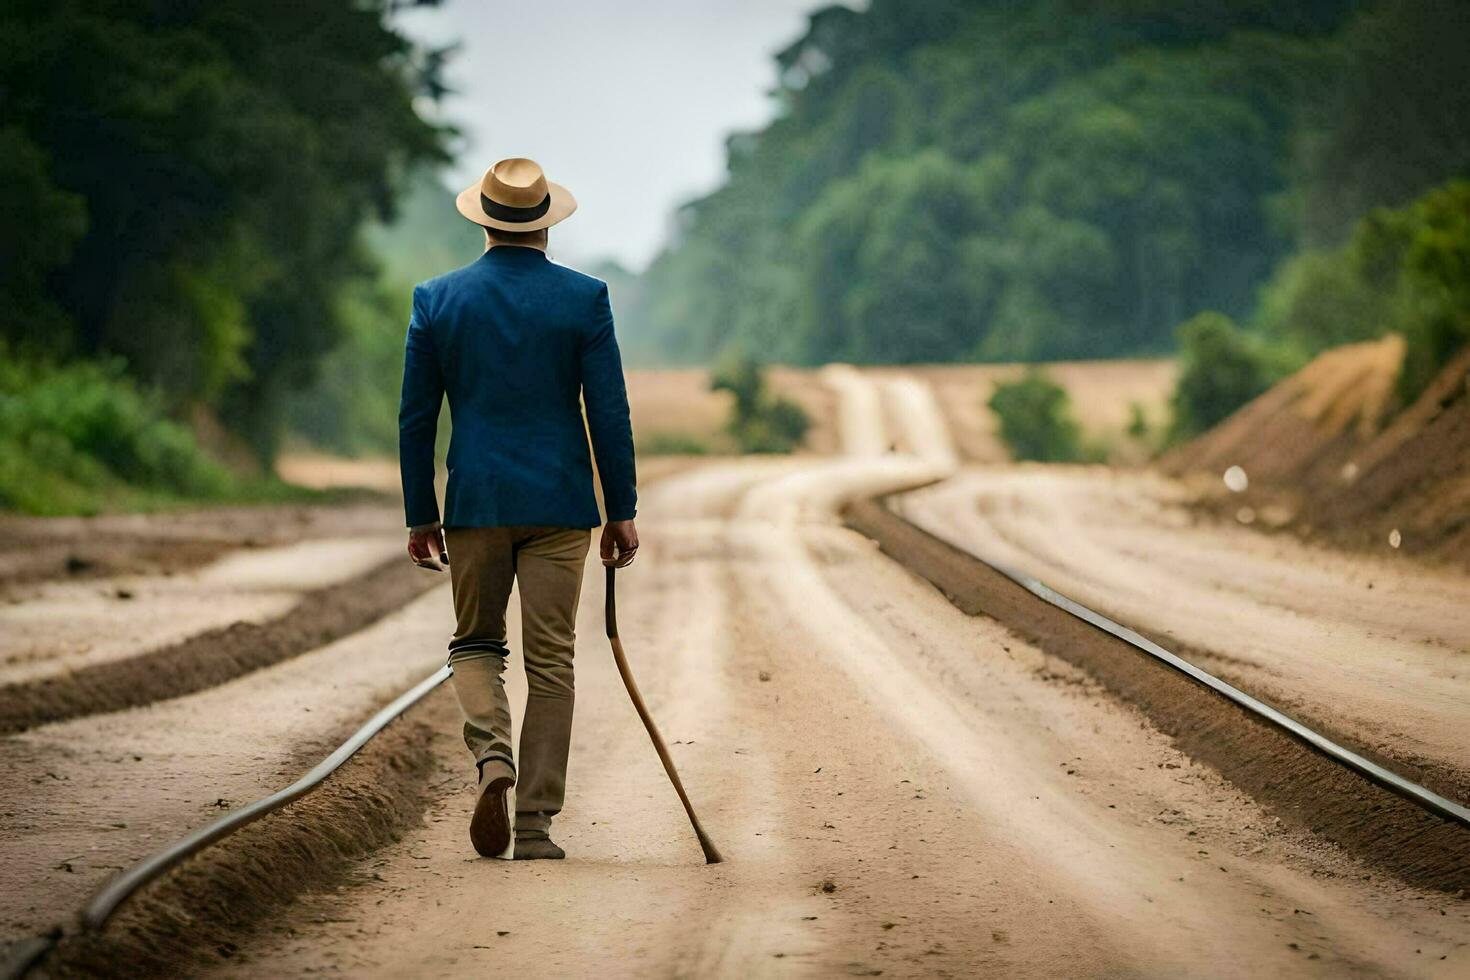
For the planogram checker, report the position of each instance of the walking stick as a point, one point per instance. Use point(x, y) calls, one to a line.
point(711, 853)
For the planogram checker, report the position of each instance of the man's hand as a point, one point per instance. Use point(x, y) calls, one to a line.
point(424, 542)
point(619, 543)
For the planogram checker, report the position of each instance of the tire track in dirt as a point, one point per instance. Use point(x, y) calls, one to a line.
point(1306, 789)
point(1130, 890)
point(37, 550)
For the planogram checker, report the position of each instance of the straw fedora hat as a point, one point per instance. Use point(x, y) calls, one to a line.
point(514, 195)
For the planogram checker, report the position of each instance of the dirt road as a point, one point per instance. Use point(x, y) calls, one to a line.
point(898, 788)
point(1372, 649)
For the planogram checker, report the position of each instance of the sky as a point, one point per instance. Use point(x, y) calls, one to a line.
point(626, 102)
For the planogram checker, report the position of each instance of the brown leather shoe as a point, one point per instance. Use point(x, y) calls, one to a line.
point(490, 827)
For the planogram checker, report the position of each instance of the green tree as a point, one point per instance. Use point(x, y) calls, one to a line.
point(1423, 251)
point(1317, 299)
point(1220, 369)
point(40, 225)
point(1404, 270)
point(1392, 125)
point(988, 179)
point(212, 165)
point(351, 406)
point(1036, 419)
point(759, 421)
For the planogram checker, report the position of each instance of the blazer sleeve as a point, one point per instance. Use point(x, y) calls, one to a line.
point(418, 417)
point(606, 398)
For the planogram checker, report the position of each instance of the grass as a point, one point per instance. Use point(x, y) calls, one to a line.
point(84, 438)
point(667, 443)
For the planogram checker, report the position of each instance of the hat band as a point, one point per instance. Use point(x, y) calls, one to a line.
point(504, 212)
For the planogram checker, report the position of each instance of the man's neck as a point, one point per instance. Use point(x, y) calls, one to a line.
point(492, 243)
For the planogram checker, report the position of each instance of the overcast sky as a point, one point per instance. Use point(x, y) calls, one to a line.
point(626, 102)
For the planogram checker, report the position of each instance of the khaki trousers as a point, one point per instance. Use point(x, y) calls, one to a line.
point(547, 561)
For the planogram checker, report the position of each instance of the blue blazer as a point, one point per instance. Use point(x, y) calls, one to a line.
point(516, 342)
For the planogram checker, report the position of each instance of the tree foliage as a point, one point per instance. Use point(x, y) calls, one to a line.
point(352, 404)
point(979, 179)
point(1386, 240)
point(984, 179)
point(760, 422)
point(185, 183)
point(1393, 124)
point(78, 435)
point(1221, 367)
point(1404, 270)
point(1036, 419)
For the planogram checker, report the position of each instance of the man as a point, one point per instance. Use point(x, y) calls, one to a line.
point(514, 339)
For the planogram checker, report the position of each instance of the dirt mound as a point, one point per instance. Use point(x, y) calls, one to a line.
point(1326, 455)
point(209, 907)
point(1415, 476)
point(215, 656)
point(40, 549)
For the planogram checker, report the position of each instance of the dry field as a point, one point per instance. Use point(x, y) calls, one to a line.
point(677, 402)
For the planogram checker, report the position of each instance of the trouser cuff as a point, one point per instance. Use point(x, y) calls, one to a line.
point(533, 825)
point(495, 767)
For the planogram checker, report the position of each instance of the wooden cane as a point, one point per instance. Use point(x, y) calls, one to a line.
point(711, 853)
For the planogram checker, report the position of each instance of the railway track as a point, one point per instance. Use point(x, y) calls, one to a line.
point(27, 956)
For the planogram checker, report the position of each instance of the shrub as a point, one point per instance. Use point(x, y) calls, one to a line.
point(759, 421)
point(1404, 271)
point(1220, 369)
point(1138, 427)
point(1318, 299)
point(73, 436)
point(1427, 245)
point(672, 444)
point(1036, 419)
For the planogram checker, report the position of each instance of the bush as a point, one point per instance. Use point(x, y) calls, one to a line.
point(1425, 247)
point(1220, 369)
point(672, 444)
point(1036, 419)
point(1404, 271)
point(1138, 427)
point(1318, 299)
point(74, 436)
point(760, 422)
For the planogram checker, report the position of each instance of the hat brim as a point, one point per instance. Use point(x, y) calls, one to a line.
point(562, 206)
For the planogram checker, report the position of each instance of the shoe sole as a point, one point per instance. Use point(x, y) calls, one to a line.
point(490, 827)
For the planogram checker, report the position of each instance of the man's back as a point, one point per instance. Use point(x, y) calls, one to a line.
point(515, 340)
point(517, 343)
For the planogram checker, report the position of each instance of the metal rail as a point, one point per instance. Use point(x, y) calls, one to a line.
point(112, 895)
point(1387, 778)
